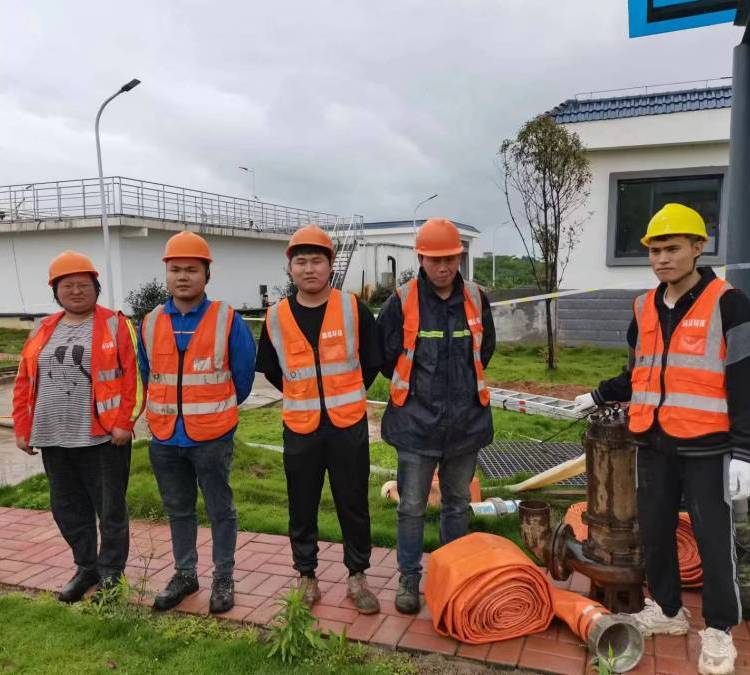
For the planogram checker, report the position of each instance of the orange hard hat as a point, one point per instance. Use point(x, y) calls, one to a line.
point(310, 235)
point(438, 237)
point(187, 245)
point(70, 262)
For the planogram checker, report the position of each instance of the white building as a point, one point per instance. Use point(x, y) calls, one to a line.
point(386, 251)
point(39, 220)
point(646, 150)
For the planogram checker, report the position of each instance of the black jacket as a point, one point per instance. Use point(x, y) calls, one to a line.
point(735, 317)
point(442, 415)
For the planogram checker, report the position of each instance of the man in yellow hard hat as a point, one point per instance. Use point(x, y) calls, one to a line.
point(688, 384)
point(198, 358)
point(320, 348)
point(438, 336)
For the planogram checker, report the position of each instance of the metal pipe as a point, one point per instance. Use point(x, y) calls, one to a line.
point(618, 633)
point(534, 517)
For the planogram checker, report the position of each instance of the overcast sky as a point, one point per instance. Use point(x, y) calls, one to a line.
point(347, 106)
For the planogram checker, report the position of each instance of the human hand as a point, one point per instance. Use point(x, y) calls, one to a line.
point(739, 479)
point(584, 404)
point(21, 444)
point(120, 436)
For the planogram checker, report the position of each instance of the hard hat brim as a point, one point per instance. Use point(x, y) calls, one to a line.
point(429, 253)
point(52, 280)
point(197, 257)
point(647, 239)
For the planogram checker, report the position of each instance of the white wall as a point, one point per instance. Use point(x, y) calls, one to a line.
point(588, 267)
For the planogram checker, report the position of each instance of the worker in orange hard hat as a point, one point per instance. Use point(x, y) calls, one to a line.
point(77, 396)
point(198, 358)
point(320, 347)
point(688, 385)
point(438, 336)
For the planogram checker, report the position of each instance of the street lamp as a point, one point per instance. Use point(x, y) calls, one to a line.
point(252, 173)
point(414, 219)
point(495, 229)
point(105, 224)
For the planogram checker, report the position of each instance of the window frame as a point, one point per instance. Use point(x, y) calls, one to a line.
point(692, 172)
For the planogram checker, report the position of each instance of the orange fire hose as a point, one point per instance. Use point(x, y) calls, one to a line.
point(688, 558)
point(579, 612)
point(482, 588)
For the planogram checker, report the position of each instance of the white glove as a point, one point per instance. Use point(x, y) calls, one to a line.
point(739, 479)
point(584, 404)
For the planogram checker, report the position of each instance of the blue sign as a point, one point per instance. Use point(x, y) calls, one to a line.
point(649, 17)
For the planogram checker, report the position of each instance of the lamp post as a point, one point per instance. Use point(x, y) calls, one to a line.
point(495, 229)
point(105, 224)
point(414, 219)
point(252, 173)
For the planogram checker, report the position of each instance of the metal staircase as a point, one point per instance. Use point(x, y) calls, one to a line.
point(345, 236)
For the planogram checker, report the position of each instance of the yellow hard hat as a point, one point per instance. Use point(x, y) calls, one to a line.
point(674, 219)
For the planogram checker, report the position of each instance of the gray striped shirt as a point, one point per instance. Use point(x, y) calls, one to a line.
point(62, 413)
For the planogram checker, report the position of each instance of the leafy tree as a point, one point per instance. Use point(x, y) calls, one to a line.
point(545, 178)
point(142, 300)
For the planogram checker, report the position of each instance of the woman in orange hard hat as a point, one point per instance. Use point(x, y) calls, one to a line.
point(688, 384)
point(438, 336)
point(320, 348)
point(77, 396)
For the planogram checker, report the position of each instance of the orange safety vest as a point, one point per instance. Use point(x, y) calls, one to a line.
point(198, 385)
point(338, 350)
point(690, 392)
point(409, 296)
point(106, 373)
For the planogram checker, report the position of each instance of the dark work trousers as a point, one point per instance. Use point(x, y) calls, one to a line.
point(345, 454)
point(663, 478)
point(179, 472)
point(86, 483)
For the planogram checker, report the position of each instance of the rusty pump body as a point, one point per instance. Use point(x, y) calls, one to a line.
point(612, 555)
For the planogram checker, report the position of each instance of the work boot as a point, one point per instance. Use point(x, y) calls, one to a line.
point(652, 621)
point(407, 596)
point(717, 653)
point(76, 588)
point(222, 595)
point(179, 587)
point(362, 597)
point(310, 590)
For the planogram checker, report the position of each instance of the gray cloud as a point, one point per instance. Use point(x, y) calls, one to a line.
point(339, 106)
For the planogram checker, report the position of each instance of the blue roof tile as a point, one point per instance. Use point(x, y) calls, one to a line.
point(640, 105)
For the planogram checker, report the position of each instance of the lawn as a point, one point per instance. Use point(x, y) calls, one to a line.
point(40, 636)
point(12, 340)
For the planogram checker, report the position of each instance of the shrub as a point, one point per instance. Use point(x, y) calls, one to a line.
point(144, 299)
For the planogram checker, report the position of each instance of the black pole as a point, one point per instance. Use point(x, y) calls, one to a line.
point(738, 230)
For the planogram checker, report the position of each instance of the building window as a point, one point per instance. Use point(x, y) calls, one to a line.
point(639, 199)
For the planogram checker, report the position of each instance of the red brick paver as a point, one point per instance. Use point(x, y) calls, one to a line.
point(33, 555)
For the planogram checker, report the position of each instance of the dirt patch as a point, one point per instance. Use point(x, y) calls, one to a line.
point(436, 664)
point(564, 391)
point(374, 415)
point(258, 471)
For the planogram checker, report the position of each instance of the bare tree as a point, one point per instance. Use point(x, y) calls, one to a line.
point(545, 177)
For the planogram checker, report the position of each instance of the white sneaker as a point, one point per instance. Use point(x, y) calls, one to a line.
point(717, 653)
point(652, 621)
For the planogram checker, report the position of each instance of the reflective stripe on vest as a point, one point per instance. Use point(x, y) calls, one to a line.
point(343, 392)
point(409, 296)
point(206, 396)
point(694, 400)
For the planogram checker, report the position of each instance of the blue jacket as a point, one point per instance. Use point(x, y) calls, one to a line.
point(241, 358)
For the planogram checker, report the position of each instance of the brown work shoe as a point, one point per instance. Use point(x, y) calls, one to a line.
point(362, 597)
point(310, 590)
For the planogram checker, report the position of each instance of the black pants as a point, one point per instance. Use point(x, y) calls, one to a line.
point(345, 453)
point(663, 479)
point(86, 483)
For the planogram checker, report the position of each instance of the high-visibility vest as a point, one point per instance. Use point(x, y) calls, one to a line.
point(344, 392)
point(196, 383)
point(409, 296)
point(106, 373)
point(690, 392)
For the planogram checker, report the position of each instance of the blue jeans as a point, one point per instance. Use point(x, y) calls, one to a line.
point(179, 471)
point(414, 480)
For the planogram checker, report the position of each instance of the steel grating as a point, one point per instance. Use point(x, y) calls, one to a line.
point(503, 459)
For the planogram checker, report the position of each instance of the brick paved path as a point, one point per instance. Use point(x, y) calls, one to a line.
point(34, 556)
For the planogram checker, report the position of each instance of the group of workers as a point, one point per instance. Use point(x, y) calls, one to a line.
point(86, 374)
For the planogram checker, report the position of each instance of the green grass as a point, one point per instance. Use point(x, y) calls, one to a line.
point(40, 636)
point(12, 340)
point(577, 365)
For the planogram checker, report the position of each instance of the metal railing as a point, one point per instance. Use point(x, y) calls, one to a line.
point(64, 200)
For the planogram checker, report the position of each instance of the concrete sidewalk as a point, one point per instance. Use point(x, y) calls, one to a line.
point(34, 556)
